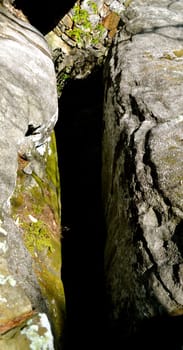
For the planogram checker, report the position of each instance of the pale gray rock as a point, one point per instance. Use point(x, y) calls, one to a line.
point(28, 95)
point(28, 113)
point(142, 163)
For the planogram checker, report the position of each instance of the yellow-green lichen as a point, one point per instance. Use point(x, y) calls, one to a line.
point(53, 290)
point(36, 209)
point(127, 3)
point(167, 56)
point(178, 53)
point(52, 171)
point(169, 159)
point(17, 201)
point(37, 237)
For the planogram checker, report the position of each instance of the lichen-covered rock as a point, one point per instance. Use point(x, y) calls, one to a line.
point(36, 211)
point(142, 163)
point(31, 292)
point(32, 332)
point(81, 39)
point(24, 322)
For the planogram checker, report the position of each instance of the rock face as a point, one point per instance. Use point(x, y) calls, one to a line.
point(81, 39)
point(24, 86)
point(31, 291)
point(142, 164)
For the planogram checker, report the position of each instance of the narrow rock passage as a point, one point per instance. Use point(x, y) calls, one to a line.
point(78, 133)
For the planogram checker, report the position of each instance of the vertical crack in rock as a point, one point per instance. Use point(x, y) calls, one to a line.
point(178, 237)
point(135, 109)
point(78, 134)
point(117, 153)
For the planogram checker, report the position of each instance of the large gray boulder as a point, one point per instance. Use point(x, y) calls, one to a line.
point(31, 293)
point(142, 172)
point(28, 102)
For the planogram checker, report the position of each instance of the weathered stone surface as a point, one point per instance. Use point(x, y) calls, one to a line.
point(31, 333)
point(142, 163)
point(21, 327)
point(36, 211)
point(31, 292)
point(24, 90)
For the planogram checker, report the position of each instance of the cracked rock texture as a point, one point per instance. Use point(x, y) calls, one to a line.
point(142, 170)
point(31, 292)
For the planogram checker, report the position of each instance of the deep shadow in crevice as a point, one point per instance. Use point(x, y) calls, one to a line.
point(43, 15)
point(78, 134)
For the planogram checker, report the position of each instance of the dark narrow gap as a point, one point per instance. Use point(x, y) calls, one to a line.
point(78, 134)
point(43, 15)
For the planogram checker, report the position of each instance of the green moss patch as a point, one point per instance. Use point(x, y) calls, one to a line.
point(36, 209)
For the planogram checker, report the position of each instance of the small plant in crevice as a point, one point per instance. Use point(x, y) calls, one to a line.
point(83, 31)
